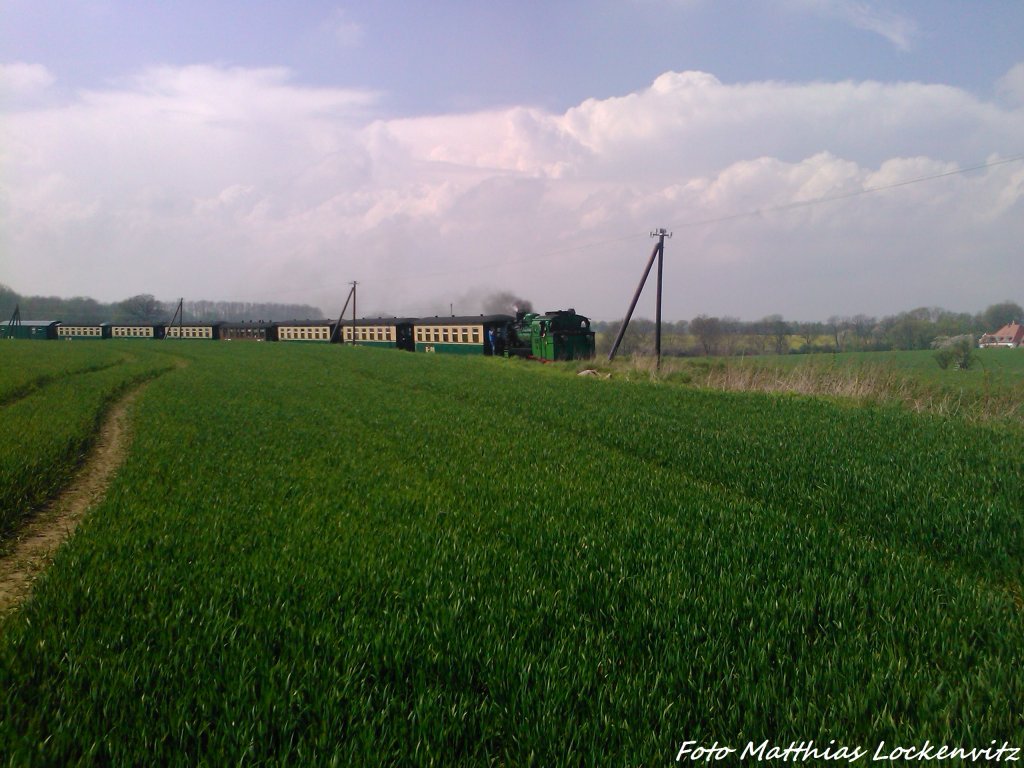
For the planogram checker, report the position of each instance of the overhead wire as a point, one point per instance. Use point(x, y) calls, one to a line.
point(588, 246)
point(848, 195)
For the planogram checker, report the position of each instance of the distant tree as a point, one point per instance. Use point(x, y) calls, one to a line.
point(838, 327)
point(8, 301)
point(681, 327)
point(81, 309)
point(143, 308)
point(809, 333)
point(910, 330)
point(998, 315)
point(862, 326)
point(778, 331)
point(732, 331)
point(708, 331)
point(638, 339)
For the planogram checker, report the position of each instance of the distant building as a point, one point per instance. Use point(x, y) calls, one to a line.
point(1010, 335)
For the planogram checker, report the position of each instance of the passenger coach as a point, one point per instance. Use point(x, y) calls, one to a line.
point(82, 331)
point(472, 335)
point(207, 331)
point(392, 332)
point(303, 330)
point(135, 331)
point(244, 331)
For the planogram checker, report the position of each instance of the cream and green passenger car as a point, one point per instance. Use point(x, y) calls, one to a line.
point(468, 335)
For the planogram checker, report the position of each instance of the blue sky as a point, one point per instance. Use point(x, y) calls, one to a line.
point(438, 151)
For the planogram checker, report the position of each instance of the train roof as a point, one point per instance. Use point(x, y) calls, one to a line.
point(245, 324)
point(464, 320)
point(31, 323)
point(380, 321)
point(300, 323)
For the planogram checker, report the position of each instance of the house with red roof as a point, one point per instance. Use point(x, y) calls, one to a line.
point(1010, 335)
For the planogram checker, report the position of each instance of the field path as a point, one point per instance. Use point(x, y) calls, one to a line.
point(34, 544)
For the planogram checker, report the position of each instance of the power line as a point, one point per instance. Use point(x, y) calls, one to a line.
point(848, 195)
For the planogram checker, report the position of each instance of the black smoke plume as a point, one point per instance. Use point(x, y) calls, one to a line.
point(506, 303)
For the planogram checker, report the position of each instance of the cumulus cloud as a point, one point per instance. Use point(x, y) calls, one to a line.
point(20, 78)
point(238, 183)
point(1011, 86)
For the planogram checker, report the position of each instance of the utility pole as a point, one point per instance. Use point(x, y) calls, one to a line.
point(659, 254)
point(661, 234)
point(354, 284)
point(179, 315)
point(15, 321)
point(341, 318)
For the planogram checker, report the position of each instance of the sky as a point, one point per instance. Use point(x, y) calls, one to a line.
point(811, 158)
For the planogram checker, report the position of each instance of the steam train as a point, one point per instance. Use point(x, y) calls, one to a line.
point(558, 335)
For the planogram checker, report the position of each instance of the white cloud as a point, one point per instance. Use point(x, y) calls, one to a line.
point(20, 78)
point(870, 16)
point(215, 182)
point(346, 32)
point(1011, 86)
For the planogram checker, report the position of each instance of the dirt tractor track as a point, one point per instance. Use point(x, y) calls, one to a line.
point(33, 546)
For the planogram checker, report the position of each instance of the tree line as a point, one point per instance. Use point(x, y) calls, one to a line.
point(145, 308)
point(921, 328)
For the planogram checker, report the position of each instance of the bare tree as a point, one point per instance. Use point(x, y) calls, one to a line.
point(708, 331)
point(808, 332)
point(778, 330)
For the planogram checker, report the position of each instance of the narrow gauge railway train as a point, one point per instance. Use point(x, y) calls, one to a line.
point(559, 335)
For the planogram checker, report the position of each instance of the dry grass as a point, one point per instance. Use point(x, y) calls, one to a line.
point(863, 384)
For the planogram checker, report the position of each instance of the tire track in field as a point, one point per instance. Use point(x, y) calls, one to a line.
point(27, 554)
point(41, 382)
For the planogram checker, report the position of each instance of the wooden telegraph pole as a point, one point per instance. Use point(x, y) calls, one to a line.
point(659, 254)
point(341, 318)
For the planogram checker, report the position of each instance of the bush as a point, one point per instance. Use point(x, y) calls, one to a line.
point(959, 354)
point(944, 357)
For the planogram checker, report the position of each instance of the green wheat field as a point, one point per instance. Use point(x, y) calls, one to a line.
point(344, 556)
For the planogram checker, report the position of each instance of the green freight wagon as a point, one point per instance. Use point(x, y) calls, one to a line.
point(37, 330)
